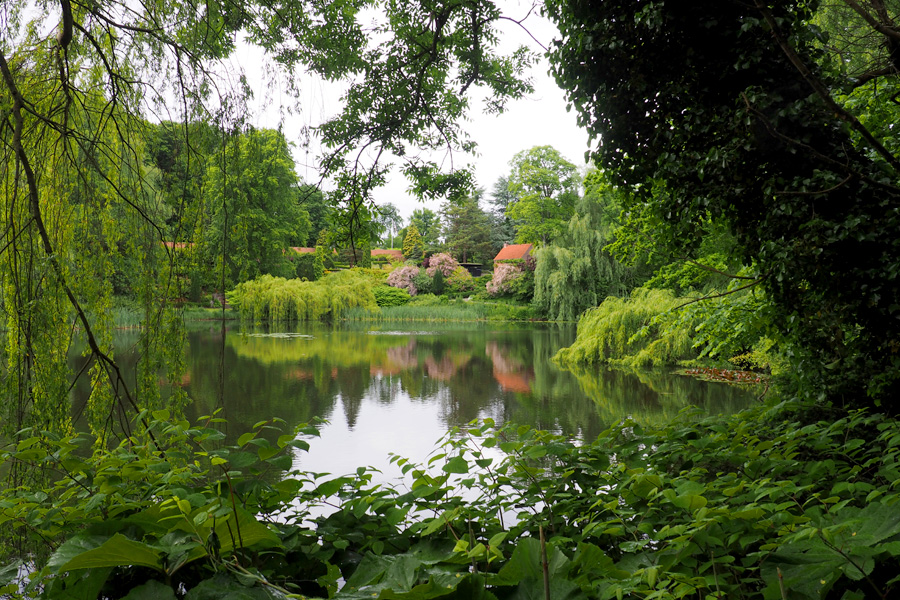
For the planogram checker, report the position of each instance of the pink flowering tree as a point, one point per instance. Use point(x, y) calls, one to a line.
point(442, 262)
point(504, 276)
point(403, 278)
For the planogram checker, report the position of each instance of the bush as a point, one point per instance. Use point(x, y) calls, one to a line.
point(424, 283)
point(443, 263)
point(404, 278)
point(386, 295)
point(274, 299)
point(437, 282)
point(460, 282)
point(304, 266)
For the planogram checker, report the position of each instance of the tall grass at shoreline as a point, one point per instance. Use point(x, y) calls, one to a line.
point(446, 311)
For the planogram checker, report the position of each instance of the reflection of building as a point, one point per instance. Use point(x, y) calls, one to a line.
point(510, 373)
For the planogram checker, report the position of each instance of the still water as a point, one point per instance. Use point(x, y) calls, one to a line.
point(385, 388)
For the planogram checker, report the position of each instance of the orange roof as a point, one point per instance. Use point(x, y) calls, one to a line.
point(300, 250)
point(513, 252)
point(178, 244)
point(394, 254)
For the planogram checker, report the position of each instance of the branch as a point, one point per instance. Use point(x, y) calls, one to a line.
point(723, 294)
point(822, 91)
point(873, 23)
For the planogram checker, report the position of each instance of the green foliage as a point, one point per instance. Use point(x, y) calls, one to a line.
point(319, 263)
point(424, 283)
point(304, 266)
point(763, 130)
point(428, 223)
point(429, 307)
point(256, 212)
point(758, 505)
point(437, 283)
point(545, 188)
point(628, 331)
point(577, 272)
point(467, 230)
point(386, 295)
point(274, 299)
point(460, 282)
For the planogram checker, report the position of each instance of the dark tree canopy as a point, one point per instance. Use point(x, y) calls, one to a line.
point(735, 109)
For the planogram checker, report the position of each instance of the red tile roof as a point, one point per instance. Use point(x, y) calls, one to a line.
point(301, 250)
point(513, 252)
point(178, 244)
point(393, 254)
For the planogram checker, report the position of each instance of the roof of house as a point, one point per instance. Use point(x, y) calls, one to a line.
point(394, 254)
point(178, 244)
point(301, 250)
point(513, 251)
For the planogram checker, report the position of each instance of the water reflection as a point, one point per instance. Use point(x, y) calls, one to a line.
point(402, 385)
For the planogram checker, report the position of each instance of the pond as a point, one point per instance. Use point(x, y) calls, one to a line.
point(385, 388)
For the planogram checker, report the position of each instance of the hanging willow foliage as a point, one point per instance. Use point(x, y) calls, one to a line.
point(629, 331)
point(76, 206)
point(269, 299)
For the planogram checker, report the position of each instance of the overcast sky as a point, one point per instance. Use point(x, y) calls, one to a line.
point(538, 120)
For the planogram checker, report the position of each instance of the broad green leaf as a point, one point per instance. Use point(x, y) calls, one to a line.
point(117, 551)
point(457, 464)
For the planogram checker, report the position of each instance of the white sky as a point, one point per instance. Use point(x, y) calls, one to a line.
point(538, 120)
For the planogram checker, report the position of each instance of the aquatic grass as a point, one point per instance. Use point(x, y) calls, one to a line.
point(442, 309)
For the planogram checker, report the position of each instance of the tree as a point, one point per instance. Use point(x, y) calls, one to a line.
point(319, 209)
point(468, 230)
point(389, 220)
point(545, 186)
point(429, 225)
point(503, 229)
point(412, 244)
point(739, 110)
point(577, 272)
point(257, 214)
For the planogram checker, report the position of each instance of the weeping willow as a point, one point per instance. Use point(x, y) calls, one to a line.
point(269, 299)
point(78, 203)
point(631, 331)
point(576, 272)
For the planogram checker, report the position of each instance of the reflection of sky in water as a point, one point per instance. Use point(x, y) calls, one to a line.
point(409, 429)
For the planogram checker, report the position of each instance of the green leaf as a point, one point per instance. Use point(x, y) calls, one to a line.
point(117, 551)
point(457, 464)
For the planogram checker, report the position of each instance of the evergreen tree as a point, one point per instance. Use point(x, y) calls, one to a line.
point(412, 244)
point(467, 230)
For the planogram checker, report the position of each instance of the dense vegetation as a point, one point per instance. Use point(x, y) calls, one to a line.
point(744, 208)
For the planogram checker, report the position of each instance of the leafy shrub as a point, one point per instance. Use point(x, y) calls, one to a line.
point(424, 283)
point(386, 295)
point(304, 266)
point(437, 282)
point(404, 278)
point(763, 505)
point(460, 282)
point(628, 331)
